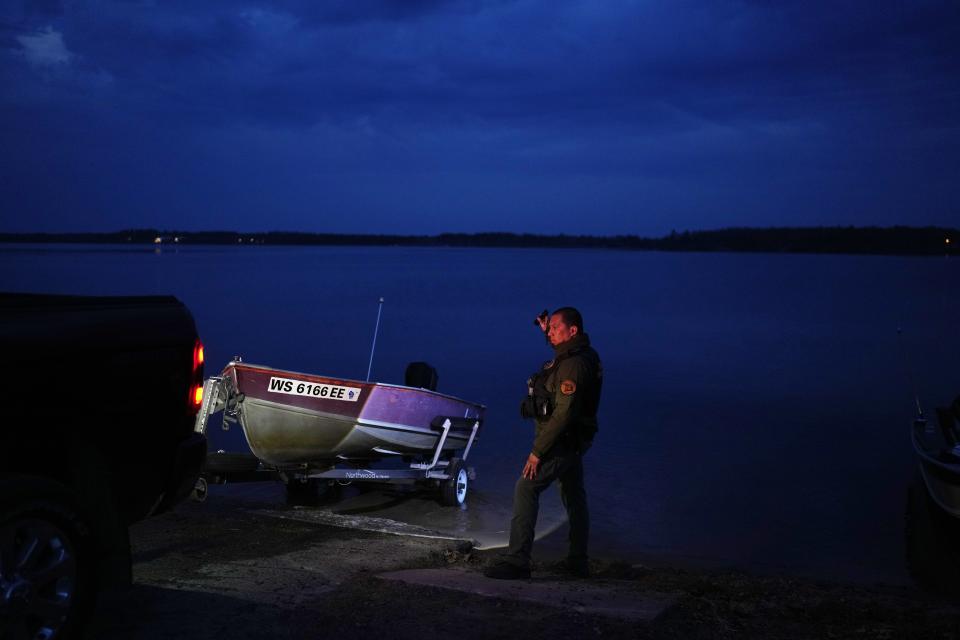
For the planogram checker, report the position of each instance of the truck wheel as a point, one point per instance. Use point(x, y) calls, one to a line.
point(453, 492)
point(46, 577)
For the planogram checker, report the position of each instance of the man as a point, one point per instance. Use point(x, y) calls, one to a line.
point(563, 398)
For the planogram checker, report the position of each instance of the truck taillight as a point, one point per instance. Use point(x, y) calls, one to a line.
point(196, 380)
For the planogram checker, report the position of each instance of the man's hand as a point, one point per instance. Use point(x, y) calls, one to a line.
point(542, 320)
point(530, 469)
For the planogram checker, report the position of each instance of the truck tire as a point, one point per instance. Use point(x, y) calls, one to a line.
point(47, 573)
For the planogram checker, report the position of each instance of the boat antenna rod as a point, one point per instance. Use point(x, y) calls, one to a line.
point(376, 330)
point(913, 380)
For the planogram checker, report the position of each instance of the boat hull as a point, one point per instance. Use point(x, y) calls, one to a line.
point(296, 418)
point(939, 467)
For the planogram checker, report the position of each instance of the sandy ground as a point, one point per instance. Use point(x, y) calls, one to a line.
point(248, 568)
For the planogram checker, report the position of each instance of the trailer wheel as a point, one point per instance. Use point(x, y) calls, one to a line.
point(47, 585)
point(200, 490)
point(310, 492)
point(302, 493)
point(453, 492)
point(231, 462)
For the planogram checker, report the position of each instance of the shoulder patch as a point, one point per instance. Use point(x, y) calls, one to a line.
point(567, 387)
point(548, 364)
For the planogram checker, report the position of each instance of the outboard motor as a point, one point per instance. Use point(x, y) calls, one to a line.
point(421, 374)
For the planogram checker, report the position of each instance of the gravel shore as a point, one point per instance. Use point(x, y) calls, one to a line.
point(232, 570)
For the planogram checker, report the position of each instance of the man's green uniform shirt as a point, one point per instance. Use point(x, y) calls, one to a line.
point(575, 379)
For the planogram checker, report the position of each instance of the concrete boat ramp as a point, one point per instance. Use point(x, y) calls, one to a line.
point(608, 598)
point(482, 529)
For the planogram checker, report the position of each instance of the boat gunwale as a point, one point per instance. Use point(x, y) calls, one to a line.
point(927, 456)
point(316, 377)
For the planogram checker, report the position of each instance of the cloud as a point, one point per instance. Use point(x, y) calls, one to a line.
point(298, 63)
point(45, 49)
point(680, 98)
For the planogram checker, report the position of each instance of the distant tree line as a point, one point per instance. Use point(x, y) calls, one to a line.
point(900, 240)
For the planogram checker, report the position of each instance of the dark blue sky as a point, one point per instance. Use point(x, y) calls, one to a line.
point(593, 117)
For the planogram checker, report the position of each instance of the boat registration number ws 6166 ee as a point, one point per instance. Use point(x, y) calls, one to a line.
point(313, 389)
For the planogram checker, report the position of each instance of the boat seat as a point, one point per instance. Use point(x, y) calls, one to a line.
point(422, 375)
point(947, 420)
point(456, 424)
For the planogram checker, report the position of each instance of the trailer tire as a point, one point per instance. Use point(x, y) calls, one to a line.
point(200, 490)
point(453, 492)
point(218, 463)
point(310, 493)
point(302, 493)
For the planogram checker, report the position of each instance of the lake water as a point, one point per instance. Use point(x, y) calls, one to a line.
point(756, 407)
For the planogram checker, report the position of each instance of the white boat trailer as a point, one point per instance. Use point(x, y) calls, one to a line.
point(449, 474)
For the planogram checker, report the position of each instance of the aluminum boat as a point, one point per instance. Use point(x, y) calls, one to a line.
point(290, 417)
point(932, 532)
point(938, 453)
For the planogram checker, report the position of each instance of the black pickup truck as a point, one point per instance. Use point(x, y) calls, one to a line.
point(98, 398)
